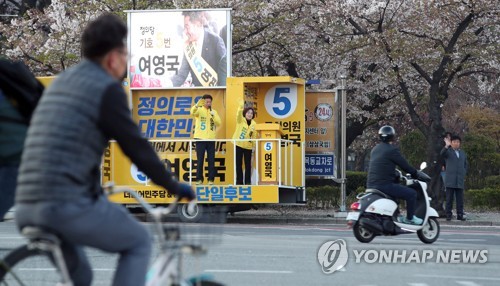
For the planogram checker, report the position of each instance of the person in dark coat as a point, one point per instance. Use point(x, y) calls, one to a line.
point(384, 159)
point(19, 94)
point(454, 180)
point(12, 134)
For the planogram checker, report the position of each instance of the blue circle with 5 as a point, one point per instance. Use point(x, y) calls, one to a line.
point(281, 100)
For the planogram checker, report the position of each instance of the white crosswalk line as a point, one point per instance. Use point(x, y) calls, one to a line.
point(417, 284)
point(468, 283)
point(458, 277)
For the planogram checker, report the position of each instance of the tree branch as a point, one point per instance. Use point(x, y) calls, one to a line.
point(251, 48)
point(438, 74)
point(453, 73)
point(361, 30)
point(471, 72)
point(405, 90)
point(382, 17)
point(256, 32)
point(421, 71)
point(423, 36)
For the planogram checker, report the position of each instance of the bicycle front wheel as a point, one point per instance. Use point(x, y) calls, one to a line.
point(25, 266)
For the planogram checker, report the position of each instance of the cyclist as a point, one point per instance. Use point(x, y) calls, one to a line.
point(59, 182)
point(382, 173)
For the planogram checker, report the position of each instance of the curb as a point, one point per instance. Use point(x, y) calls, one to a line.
point(284, 220)
point(333, 220)
point(248, 219)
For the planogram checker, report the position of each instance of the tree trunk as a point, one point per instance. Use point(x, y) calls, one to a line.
point(359, 164)
point(434, 146)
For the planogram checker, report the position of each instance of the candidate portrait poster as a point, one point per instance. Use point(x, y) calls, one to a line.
point(179, 48)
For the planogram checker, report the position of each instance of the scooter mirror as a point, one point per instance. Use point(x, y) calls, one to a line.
point(423, 165)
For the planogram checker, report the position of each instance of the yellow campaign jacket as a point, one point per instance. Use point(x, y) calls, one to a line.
point(244, 131)
point(205, 123)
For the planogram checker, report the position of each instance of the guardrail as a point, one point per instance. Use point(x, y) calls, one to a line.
point(285, 157)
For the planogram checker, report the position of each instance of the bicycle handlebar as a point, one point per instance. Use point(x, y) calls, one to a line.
point(158, 212)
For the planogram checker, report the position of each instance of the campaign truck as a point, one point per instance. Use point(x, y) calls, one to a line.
point(177, 56)
point(278, 168)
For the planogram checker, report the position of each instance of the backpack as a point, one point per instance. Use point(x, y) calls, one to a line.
point(20, 86)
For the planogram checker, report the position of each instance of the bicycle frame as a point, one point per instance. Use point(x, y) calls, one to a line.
point(46, 243)
point(166, 269)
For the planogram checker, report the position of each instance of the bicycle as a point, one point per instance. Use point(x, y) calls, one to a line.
point(174, 240)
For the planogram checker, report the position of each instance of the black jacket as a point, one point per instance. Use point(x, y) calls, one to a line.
point(383, 161)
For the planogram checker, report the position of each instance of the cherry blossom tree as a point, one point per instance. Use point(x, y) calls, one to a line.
point(47, 37)
point(419, 49)
point(409, 63)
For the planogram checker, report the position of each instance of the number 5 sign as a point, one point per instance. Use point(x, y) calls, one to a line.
point(268, 146)
point(281, 100)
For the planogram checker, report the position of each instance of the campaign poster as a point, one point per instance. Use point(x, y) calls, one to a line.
point(179, 48)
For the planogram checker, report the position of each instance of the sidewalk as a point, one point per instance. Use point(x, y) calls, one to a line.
point(301, 215)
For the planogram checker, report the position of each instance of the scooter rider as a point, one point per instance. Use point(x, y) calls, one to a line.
point(382, 173)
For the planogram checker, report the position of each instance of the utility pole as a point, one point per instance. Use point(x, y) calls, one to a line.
point(340, 141)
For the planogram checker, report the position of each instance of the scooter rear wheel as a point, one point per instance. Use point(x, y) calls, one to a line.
point(430, 232)
point(362, 234)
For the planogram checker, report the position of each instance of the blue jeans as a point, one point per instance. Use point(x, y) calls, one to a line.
point(401, 192)
point(97, 223)
point(8, 179)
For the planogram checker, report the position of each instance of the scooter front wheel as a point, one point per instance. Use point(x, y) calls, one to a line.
point(430, 232)
point(362, 234)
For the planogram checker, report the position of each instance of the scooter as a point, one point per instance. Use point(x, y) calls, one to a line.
point(376, 213)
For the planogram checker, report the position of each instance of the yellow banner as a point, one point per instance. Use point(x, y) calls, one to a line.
point(164, 114)
point(206, 194)
point(118, 168)
point(284, 104)
point(268, 153)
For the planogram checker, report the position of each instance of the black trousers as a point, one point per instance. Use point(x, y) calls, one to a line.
point(243, 154)
point(459, 195)
point(201, 148)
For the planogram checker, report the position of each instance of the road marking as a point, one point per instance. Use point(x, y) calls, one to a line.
point(468, 283)
point(36, 269)
point(492, 231)
point(53, 269)
point(248, 271)
point(458, 277)
point(103, 269)
point(464, 239)
point(418, 284)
